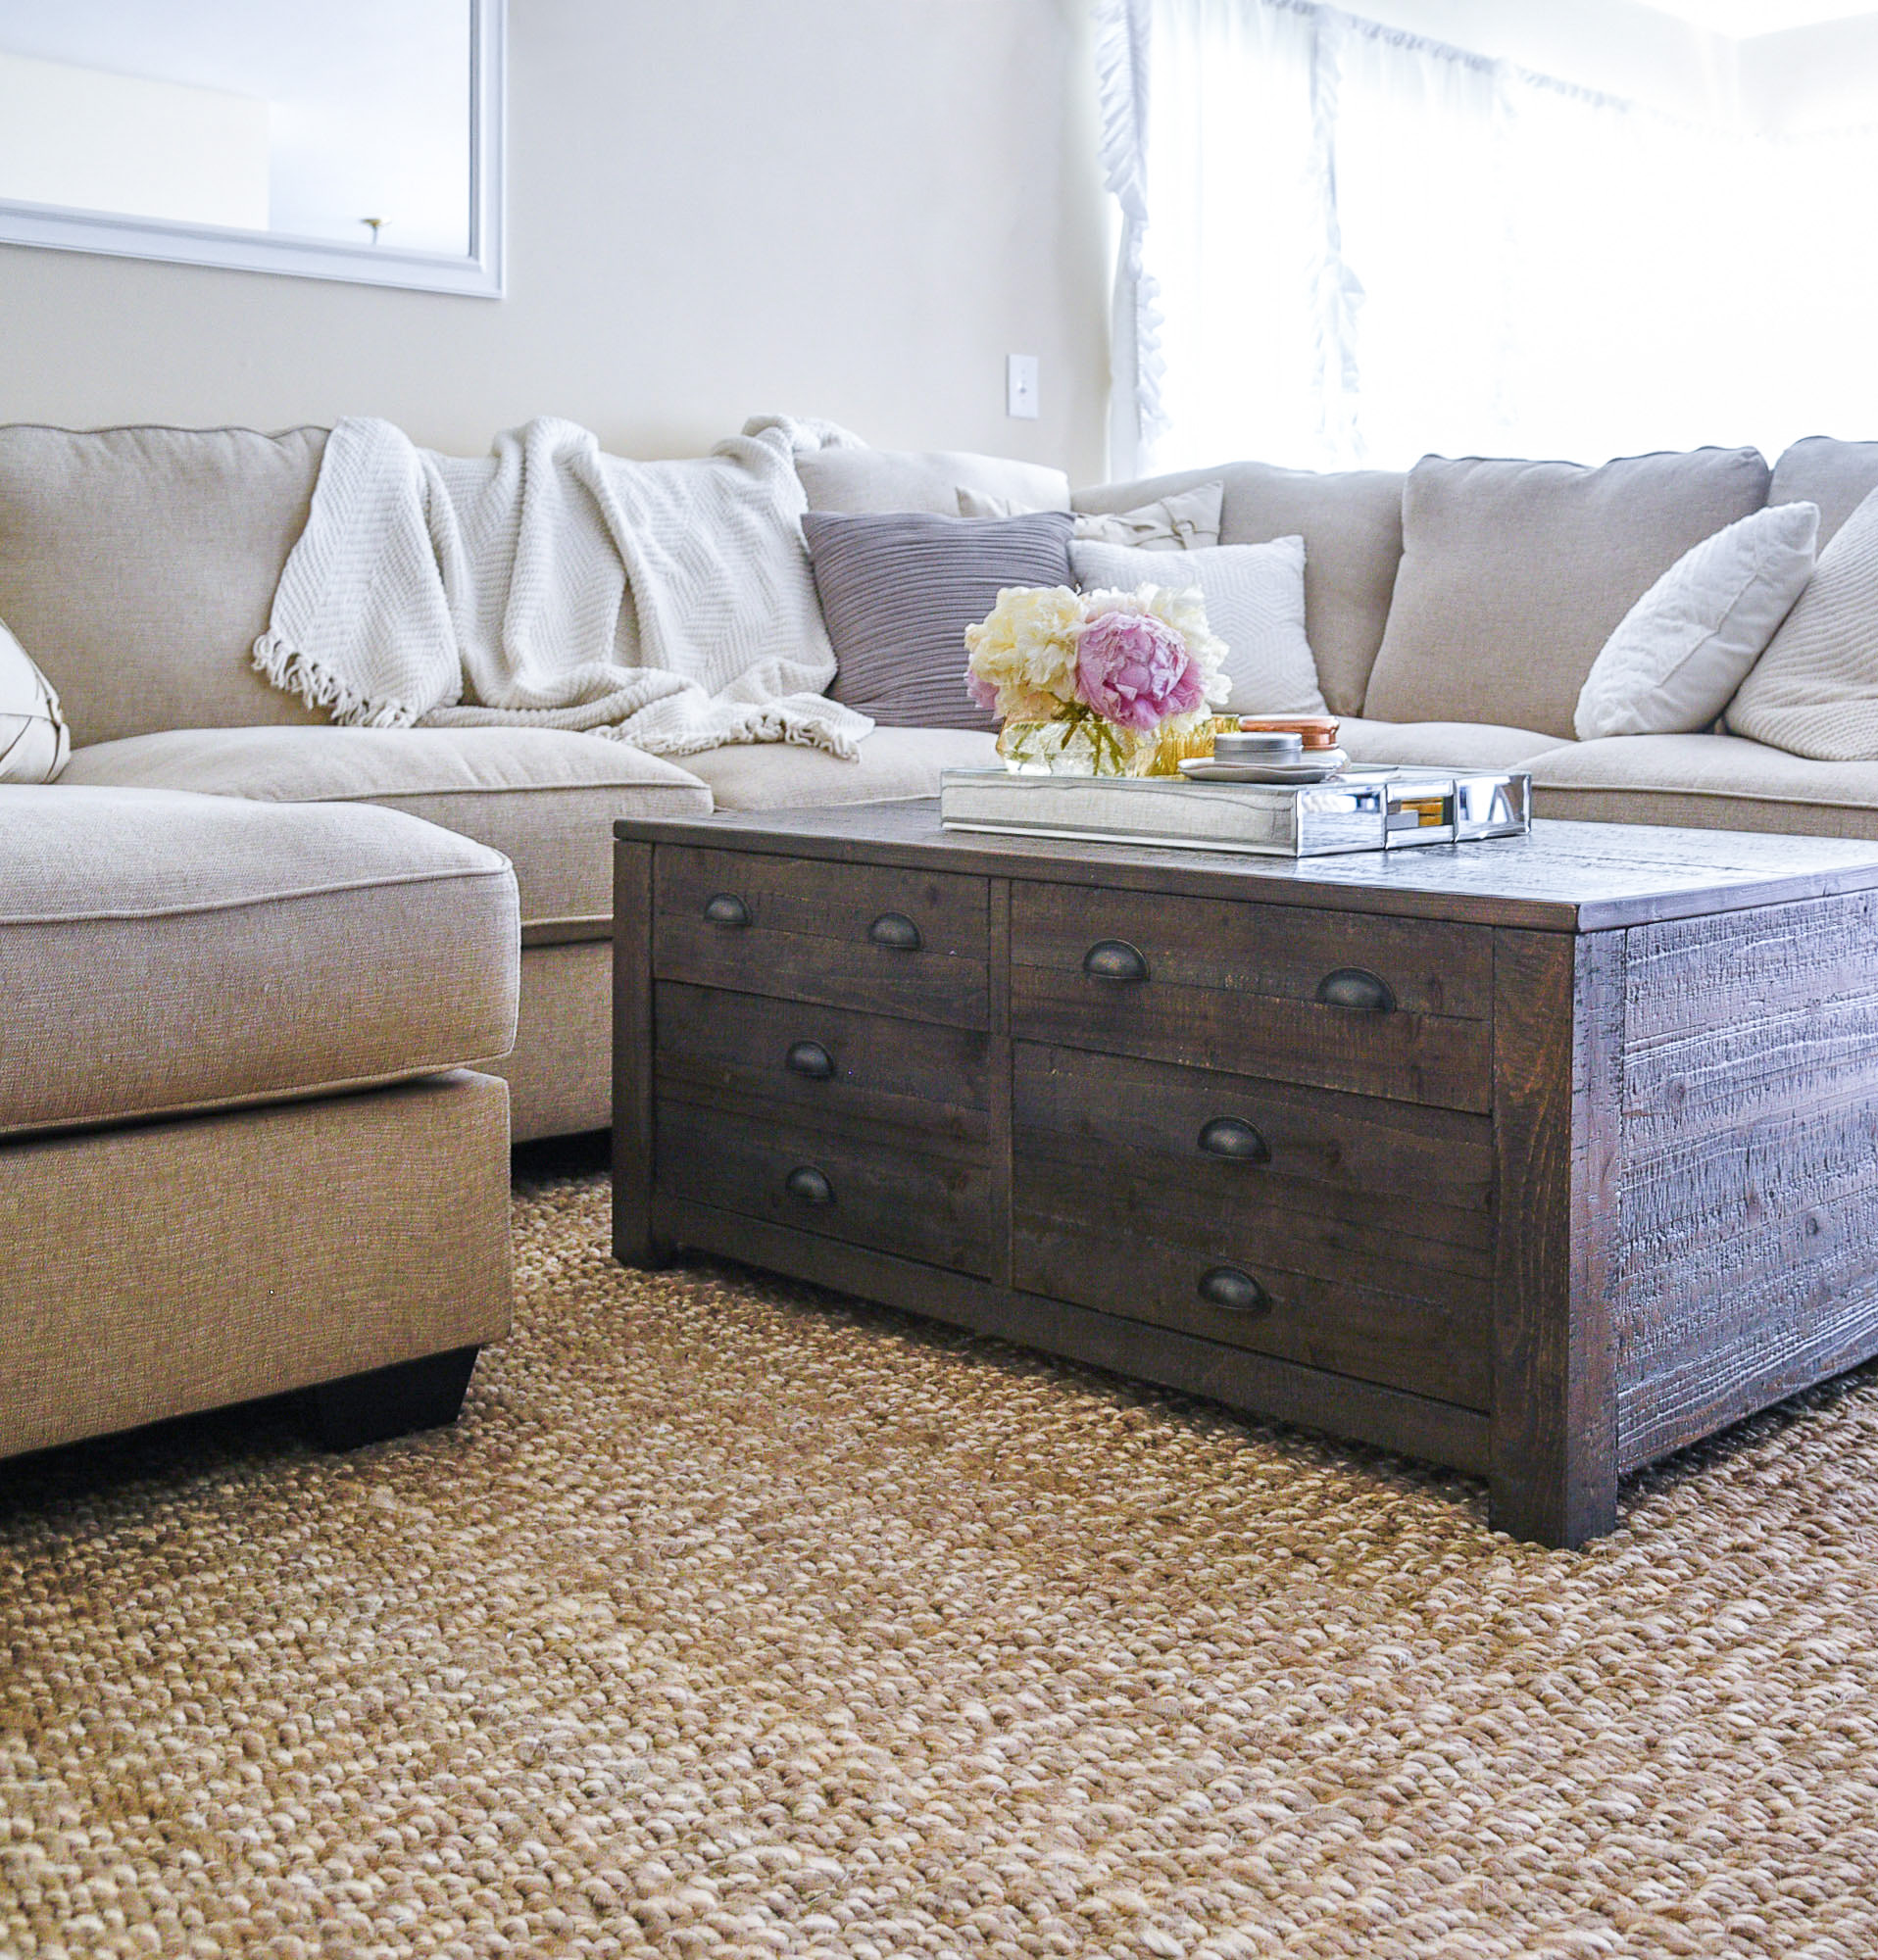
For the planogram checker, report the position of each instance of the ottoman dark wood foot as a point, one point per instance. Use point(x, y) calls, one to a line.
point(383, 1403)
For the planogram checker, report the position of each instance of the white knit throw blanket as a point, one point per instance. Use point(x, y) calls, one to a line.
point(669, 605)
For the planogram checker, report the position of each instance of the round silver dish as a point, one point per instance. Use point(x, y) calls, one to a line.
point(1259, 746)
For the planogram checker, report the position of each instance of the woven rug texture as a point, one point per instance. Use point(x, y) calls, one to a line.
point(736, 1619)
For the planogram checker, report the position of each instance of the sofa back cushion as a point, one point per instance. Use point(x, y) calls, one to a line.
point(1351, 523)
point(1838, 477)
point(863, 479)
point(137, 566)
point(1514, 575)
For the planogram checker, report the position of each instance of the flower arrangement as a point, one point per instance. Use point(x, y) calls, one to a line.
point(1100, 671)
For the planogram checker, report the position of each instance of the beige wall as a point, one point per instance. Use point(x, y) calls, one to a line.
point(846, 208)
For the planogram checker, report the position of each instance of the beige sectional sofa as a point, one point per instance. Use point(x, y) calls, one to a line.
point(250, 958)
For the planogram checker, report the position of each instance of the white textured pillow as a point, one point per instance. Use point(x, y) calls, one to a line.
point(33, 742)
point(1182, 521)
point(1254, 596)
point(1814, 691)
point(1680, 653)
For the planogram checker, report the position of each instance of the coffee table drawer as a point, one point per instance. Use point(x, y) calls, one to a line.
point(796, 1060)
point(860, 1185)
point(1378, 1005)
point(912, 944)
point(1350, 1233)
point(1207, 1285)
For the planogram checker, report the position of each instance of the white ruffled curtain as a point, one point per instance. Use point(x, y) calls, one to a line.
point(1345, 245)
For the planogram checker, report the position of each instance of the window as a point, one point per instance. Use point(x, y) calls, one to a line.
point(1345, 245)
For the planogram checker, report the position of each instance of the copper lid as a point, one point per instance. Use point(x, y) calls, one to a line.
point(1316, 731)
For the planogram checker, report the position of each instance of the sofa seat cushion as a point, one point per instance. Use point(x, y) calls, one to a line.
point(545, 798)
point(1514, 575)
point(895, 764)
point(1706, 782)
point(1469, 745)
point(138, 565)
point(168, 952)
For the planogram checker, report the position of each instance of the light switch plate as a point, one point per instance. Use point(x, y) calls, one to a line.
point(1021, 386)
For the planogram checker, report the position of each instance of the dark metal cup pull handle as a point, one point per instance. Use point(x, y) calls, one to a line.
point(1114, 960)
point(1232, 1137)
point(1235, 1291)
point(808, 1186)
point(1357, 988)
point(809, 1059)
point(895, 930)
point(725, 909)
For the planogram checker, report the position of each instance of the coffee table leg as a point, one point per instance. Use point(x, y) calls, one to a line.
point(644, 1252)
point(634, 1243)
point(1553, 1496)
point(1558, 1034)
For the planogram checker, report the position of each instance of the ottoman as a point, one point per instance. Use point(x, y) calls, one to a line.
point(242, 1148)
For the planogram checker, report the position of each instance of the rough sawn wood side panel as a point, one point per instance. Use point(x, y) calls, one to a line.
point(1746, 1260)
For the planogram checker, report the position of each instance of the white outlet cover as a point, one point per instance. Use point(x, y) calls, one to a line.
point(1021, 386)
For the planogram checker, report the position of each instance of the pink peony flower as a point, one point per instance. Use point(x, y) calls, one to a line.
point(1135, 670)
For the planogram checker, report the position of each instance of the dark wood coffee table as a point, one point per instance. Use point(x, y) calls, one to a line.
point(1540, 1158)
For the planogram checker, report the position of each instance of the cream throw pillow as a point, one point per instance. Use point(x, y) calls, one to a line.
point(1814, 691)
point(1680, 653)
point(1185, 520)
point(33, 742)
point(1254, 598)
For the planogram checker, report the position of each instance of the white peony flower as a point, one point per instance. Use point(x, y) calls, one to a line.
point(1022, 656)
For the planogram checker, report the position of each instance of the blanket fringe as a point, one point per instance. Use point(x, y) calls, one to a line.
point(294, 672)
point(759, 725)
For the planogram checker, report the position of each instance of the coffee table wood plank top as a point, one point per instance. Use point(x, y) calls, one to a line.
point(1563, 877)
point(1539, 1157)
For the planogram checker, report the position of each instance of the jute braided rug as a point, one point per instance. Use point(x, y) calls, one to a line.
point(742, 1621)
